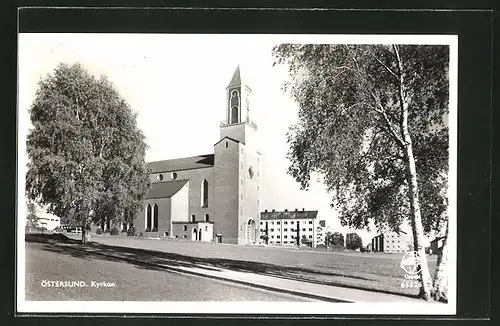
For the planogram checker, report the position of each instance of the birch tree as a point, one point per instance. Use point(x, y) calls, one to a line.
point(373, 122)
point(86, 154)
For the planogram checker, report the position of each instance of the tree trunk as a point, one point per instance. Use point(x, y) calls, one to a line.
point(84, 233)
point(441, 277)
point(417, 228)
point(411, 176)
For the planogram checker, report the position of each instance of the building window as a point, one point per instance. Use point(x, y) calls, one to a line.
point(285, 230)
point(206, 228)
point(184, 236)
point(155, 217)
point(185, 227)
point(173, 175)
point(177, 237)
point(310, 237)
point(272, 237)
point(226, 144)
point(148, 218)
point(234, 114)
point(204, 193)
point(160, 177)
point(272, 230)
point(261, 223)
point(241, 197)
point(278, 236)
point(193, 218)
point(166, 234)
point(303, 229)
point(285, 236)
point(310, 229)
point(207, 218)
point(258, 187)
point(278, 222)
point(310, 222)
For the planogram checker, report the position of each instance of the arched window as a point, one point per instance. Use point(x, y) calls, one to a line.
point(204, 193)
point(207, 218)
point(193, 218)
point(234, 115)
point(148, 218)
point(155, 217)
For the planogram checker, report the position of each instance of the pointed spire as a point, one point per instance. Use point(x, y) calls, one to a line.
point(236, 80)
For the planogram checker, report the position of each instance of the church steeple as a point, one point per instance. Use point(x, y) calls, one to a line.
point(236, 80)
point(238, 99)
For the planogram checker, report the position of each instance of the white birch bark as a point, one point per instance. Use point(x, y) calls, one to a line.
point(415, 215)
point(440, 290)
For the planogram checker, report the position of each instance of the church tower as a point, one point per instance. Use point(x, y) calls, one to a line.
point(237, 169)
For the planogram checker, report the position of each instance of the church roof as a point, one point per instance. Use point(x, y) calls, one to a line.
point(227, 137)
point(164, 189)
point(288, 215)
point(236, 80)
point(179, 164)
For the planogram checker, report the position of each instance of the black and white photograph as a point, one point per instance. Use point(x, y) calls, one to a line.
point(237, 173)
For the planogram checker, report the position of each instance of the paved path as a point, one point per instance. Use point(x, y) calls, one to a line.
point(305, 289)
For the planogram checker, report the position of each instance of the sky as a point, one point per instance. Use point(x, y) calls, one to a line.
point(177, 84)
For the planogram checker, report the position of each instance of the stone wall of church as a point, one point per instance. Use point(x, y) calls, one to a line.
point(226, 191)
point(164, 211)
point(195, 178)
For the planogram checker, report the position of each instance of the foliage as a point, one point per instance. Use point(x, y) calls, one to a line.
point(114, 231)
point(99, 231)
point(337, 239)
point(344, 135)
point(304, 240)
point(131, 232)
point(373, 123)
point(31, 218)
point(141, 234)
point(353, 241)
point(86, 154)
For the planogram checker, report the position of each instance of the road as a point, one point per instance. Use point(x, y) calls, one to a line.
point(49, 263)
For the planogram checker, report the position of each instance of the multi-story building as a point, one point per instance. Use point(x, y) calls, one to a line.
point(390, 242)
point(288, 228)
point(320, 234)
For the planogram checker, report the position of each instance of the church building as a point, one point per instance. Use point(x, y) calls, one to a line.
point(212, 197)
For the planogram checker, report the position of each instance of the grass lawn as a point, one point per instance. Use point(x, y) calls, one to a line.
point(371, 271)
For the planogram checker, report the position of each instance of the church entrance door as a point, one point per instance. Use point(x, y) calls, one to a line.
point(194, 236)
point(250, 232)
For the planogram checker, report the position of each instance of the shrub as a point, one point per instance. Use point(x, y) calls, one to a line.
point(141, 234)
point(131, 231)
point(353, 241)
point(99, 231)
point(114, 231)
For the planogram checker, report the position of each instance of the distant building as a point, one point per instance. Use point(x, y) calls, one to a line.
point(48, 221)
point(436, 245)
point(289, 227)
point(390, 242)
point(320, 234)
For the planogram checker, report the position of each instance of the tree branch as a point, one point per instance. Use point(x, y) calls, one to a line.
point(403, 110)
point(389, 130)
point(384, 65)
